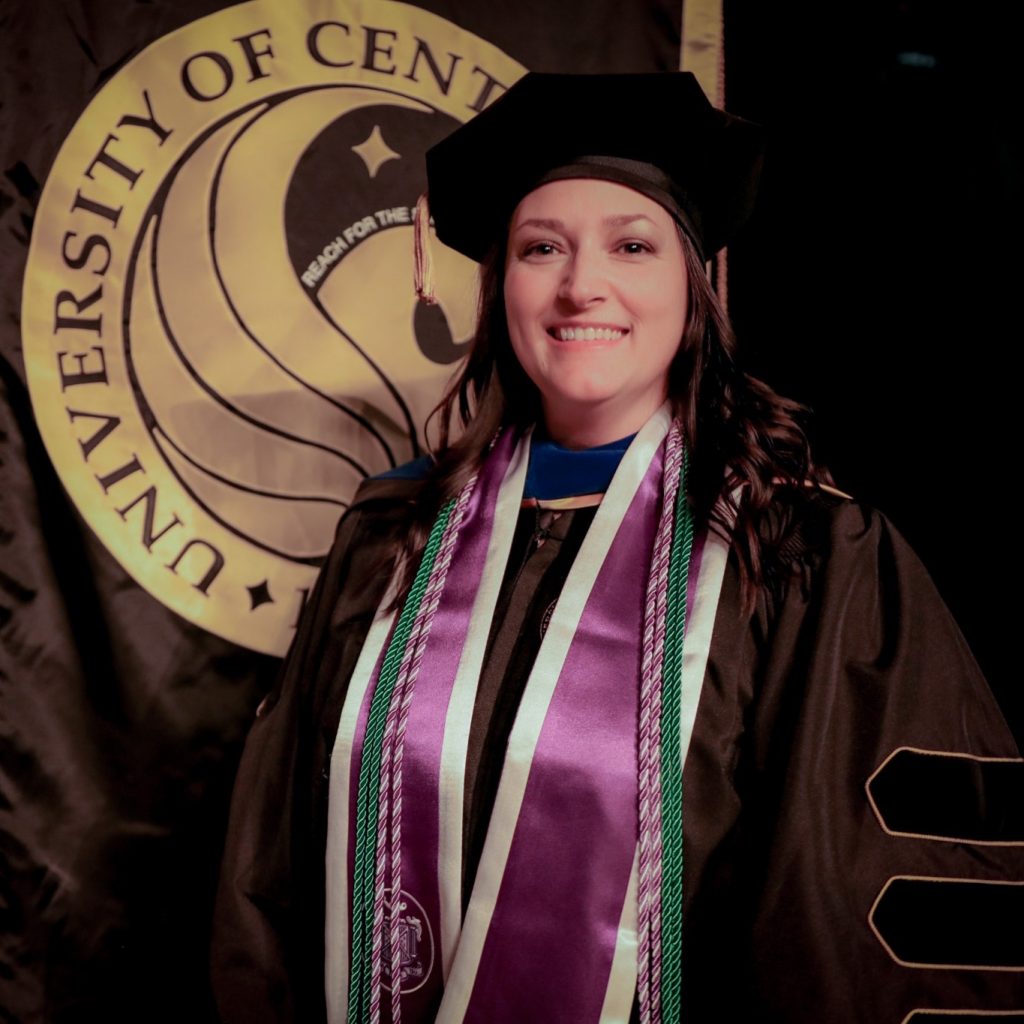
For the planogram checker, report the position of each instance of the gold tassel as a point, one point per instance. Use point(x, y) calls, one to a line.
point(424, 269)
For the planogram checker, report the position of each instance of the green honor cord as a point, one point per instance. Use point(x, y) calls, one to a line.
point(367, 797)
point(671, 759)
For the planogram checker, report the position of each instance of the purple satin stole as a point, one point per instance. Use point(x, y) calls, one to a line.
point(543, 921)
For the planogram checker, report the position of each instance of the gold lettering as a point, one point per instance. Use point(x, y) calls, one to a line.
point(82, 376)
point(372, 50)
point(85, 250)
point(112, 163)
point(223, 65)
point(106, 428)
point(119, 474)
point(100, 209)
point(217, 563)
point(252, 55)
point(148, 498)
point(485, 92)
point(423, 50)
point(77, 323)
point(313, 44)
point(151, 123)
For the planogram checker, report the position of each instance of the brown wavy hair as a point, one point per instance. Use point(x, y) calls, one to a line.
point(741, 436)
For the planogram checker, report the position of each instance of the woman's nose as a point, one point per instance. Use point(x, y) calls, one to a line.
point(583, 281)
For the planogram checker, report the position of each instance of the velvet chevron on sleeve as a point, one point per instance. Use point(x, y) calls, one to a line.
point(852, 665)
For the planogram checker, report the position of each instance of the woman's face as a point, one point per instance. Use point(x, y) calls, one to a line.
point(595, 294)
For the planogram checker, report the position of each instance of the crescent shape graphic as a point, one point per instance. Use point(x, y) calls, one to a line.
point(209, 442)
point(260, 279)
point(292, 527)
point(361, 289)
point(200, 319)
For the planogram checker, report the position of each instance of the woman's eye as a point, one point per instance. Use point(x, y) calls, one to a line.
point(634, 248)
point(539, 249)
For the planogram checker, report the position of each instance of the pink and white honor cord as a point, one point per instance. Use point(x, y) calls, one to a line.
point(649, 759)
point(388, 865)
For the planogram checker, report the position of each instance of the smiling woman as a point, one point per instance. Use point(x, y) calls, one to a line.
point(589, 715)
point(596, 305)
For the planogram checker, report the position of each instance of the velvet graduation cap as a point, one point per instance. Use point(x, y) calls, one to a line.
point(656, 133)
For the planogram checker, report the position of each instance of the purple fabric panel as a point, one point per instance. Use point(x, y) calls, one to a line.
point(427, 713)
point(549, 949)
point(425, 732)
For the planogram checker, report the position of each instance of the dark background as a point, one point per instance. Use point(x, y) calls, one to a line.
point(879, 280)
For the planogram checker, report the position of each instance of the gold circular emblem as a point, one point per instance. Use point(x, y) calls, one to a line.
point(221, 334)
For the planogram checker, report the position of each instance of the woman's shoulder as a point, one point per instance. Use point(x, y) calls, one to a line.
point(817, 532)
point(393, 490)
point(415, 469)
point(380, 509)
point(814, 515)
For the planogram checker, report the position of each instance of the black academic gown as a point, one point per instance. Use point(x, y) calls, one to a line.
point(849, 656)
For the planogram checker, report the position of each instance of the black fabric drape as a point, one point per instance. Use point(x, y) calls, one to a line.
point(851, 656)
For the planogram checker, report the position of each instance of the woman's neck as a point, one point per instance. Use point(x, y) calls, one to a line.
point(590, 428)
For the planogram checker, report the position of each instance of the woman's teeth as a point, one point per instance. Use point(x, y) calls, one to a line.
point(587, 333)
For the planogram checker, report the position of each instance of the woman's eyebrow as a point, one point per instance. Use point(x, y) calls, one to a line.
point(553, 224)
point(541, 222)
point(625, 218)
